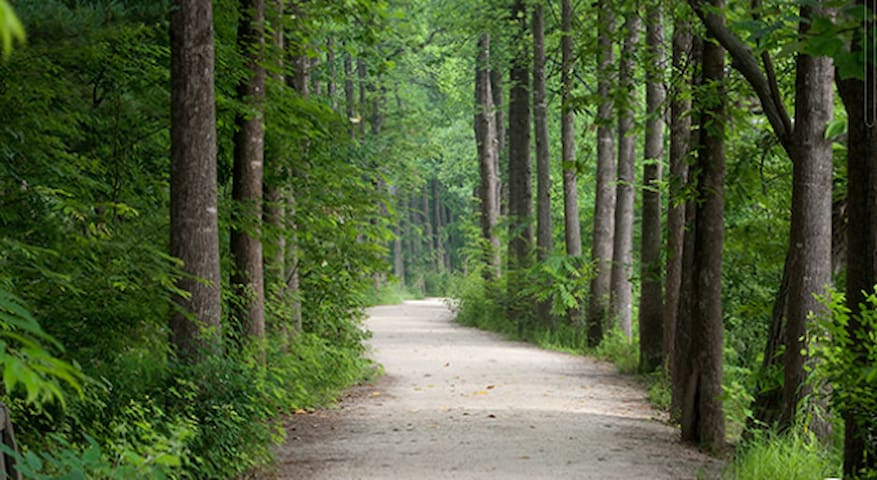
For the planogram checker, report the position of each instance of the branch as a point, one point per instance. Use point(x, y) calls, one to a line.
point(745, 62)
point(420, 47)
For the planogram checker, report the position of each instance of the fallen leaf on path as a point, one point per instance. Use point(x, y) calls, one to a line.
point(480, 392)
point(376, 394)
point(491, 416)
point(491, 387)
point(447, 364)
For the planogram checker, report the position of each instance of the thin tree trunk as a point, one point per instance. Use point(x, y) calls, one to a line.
point(572, 229)
point(680, 135)
point(316, 86)
point(520, 172)
point(622, 249)
point(501, 159)
point(195, 321)
point(332, 85)
point(543, 159)
point(247, 279)
point(362, 77)
point(439, 228)
point(485, 137)
point(703, 421)
point(349, 99)
point(426, 221)
point(275, 210)
point(604, 203)
point(651, 298)
point(860, 448)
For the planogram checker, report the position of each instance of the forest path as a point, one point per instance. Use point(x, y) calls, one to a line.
point(459, 403)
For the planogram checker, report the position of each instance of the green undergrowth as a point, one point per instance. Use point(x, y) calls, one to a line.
point(390, 293)
point(790, 456)
point(216, 419)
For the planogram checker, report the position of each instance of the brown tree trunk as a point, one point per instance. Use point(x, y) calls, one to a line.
point(331, 82)
point(680, 135)
point(703, 420)
point(860, 447)
point(622, 249)
point(543, 159)
point(195, 321)
point(275, 210)
point(501, 143)
point(426, 221)
point(572, 230)
point(485, 137)
point(362, 77)
point(604, 203)
point(520, 172)
point(437, 220)
point(349, 98)
point(247, 279)
point(810, 236)
point(651, 296)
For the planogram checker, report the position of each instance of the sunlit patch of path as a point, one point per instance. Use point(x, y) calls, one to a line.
point(459, 403)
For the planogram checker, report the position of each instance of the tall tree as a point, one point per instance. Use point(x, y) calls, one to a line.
point(622, 250)
point(572, 229)
point(808, 262)
point(275, 208)
point(501, 139)
point(485, 137)
point(543, 158)
point(193, 222)
point(680, 135)
point(860, 449)
point(520, 168)
point(651, 295)
point(703, 420)
point(247, 280)
point(604, 203)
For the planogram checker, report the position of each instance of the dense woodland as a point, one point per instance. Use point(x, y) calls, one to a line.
point(199, 199)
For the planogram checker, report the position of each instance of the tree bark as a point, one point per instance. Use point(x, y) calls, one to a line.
point(331, 82)
point(195, 321)
point(520, 171)
point(604, 203)
point(544, 244)
point(501, 140)
point(810, 236)
point(651, 296)
point(349, 98)
point(247, 279)
point(275, 209)
point(571, 227)
point(622, 249)
point(485, 137)
point(703, 421)
point(860, 447)
point(437, 220)
point(680, 135)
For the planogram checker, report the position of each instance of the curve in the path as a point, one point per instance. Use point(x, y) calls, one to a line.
point(459, 403)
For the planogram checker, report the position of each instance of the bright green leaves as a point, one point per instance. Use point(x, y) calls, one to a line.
point(10, 28)
point(25, 358)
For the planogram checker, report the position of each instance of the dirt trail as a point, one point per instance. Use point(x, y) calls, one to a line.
point(458, 403)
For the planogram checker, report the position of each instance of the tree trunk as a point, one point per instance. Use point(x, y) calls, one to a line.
point(426, 221)
point(247, 279)
point(274, 209)
point(604, 203)
point(439, 228)
point(543, 159)
point(362, 77)
point(651, 297)
point(195, 321)
point(501, 143)
point(349, 99)
point(680, 135)
point(622, 249)
point(572, 230)
point(520, 172)
point(810, 236)
point(860, 434)
point(331, 82)
point(485, 137)
point(703, 421)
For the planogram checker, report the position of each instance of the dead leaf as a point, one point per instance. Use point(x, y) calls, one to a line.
point(491, 387)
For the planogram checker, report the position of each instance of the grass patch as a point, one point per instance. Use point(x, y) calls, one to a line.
point(791, 456)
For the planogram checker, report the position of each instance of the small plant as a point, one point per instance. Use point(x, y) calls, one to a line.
point(791, 456)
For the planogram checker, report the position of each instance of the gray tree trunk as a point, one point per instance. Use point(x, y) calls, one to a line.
point(247, 279)
point(544, 244)
point(651, 300)
point(622, 249)
point(275, 209)
point(195, 319)
point(520, 172)
point(501, 140)
point(703, 420)
point(572, 229)
point(604, 203)
point(680, 135)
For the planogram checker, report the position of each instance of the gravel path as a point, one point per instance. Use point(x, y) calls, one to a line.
point(458, 403)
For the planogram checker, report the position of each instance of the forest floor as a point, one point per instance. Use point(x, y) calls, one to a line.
point(459, 403)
